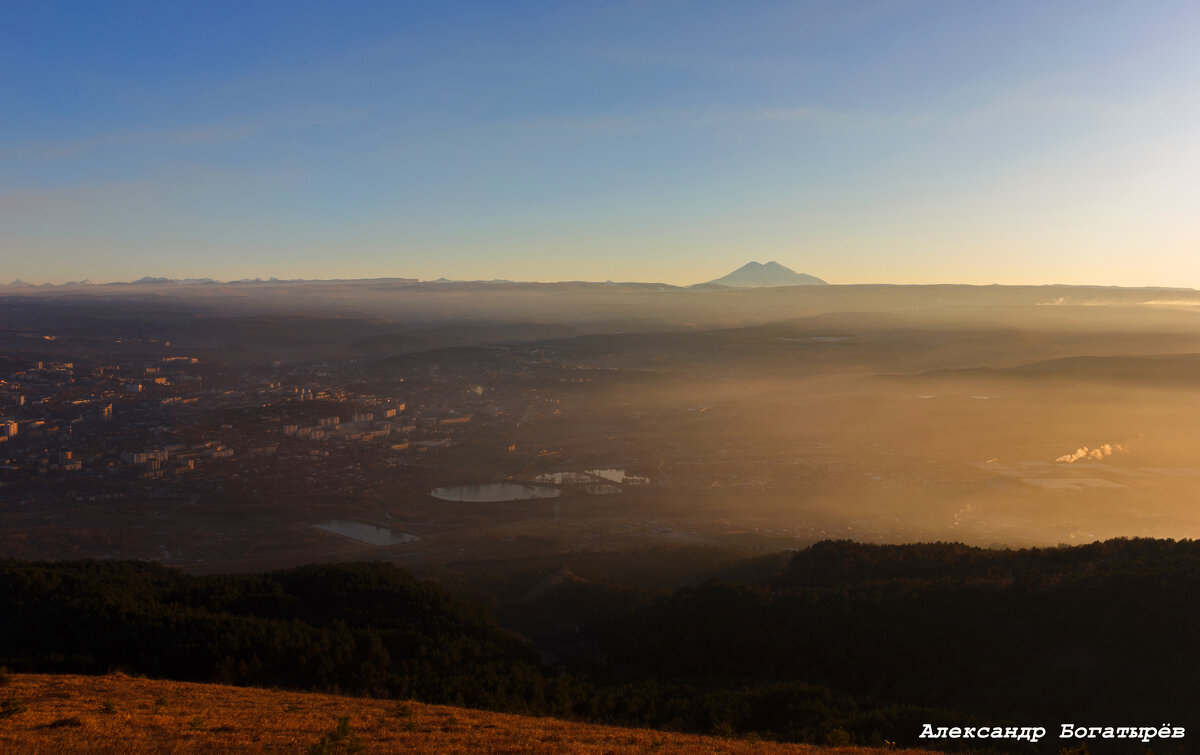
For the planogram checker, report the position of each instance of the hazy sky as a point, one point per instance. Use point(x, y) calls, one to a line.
point(879, 141)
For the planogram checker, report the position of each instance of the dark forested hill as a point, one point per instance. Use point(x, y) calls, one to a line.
point(1103, 632)
point(845, 643)
point(365, 628)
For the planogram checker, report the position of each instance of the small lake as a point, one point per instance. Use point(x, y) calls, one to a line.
point(494, 491)
point(366, 533)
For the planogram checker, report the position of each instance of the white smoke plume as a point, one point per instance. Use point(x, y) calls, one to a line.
point(1092, 454)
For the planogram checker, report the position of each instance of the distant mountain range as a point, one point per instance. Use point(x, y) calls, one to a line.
point(755, 275)
point(750, 275)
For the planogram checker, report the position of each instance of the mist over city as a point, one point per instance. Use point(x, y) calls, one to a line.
point(760, 417)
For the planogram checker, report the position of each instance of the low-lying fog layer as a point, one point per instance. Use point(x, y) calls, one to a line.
point(756, 419)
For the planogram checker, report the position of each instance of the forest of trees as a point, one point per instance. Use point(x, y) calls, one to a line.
point(843, 643)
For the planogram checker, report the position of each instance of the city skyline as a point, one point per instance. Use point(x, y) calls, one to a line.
point(876, 142)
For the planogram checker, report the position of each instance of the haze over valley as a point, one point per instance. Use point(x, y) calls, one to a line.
point(225, 426)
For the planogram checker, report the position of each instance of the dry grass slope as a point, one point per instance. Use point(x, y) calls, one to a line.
point(122, 714)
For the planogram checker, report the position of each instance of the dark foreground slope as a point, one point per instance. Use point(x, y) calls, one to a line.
point(845, 643)
point(122, 714)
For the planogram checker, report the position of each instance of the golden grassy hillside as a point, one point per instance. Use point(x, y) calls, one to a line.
point(120, 714)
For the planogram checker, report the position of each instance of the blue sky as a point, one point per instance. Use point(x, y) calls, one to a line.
point(902, 141)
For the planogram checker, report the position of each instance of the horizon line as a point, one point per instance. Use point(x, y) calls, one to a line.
point(150, 281)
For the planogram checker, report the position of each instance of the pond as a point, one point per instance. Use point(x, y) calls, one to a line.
point(367, 533)
point(494, 491)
